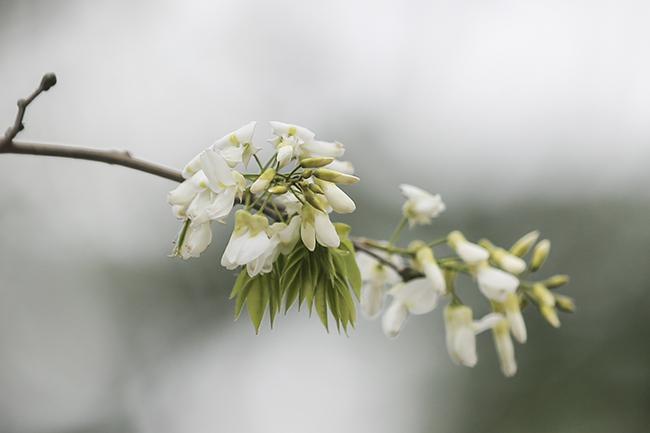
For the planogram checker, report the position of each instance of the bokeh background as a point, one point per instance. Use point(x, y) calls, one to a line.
point(522, 114)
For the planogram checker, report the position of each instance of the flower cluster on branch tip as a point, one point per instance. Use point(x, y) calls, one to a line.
point(289, 252)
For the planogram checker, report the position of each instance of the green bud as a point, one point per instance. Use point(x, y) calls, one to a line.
point(565, 303)
point(540, 254)
point(278, 189)
point(556, 281)
point(524, 244)
point(315, 188)
point(313, 200)
point(335, 176)
point(316, 162)
point(550, 315)
point(487, 245)
point(542, 295)
point(307, 174)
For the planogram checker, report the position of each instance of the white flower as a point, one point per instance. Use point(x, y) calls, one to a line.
point(314, 148)
point(196, 240)
point(413, 297)
point(316, 226)
point(282, 239)
point(420, 206)
point(181, 196)
point(495, 284)
point(505, 348)
point(288, 235)
point(470, 253)
point(237, 146)
point(461, 331)
point(289, 140)
point(376, 279)
point(336, 198)
point(515, 318)
point(248, 241)
point(425, 261)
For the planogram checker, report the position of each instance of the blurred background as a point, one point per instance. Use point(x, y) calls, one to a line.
point(523, 115)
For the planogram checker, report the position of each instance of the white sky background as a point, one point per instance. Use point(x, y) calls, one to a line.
point(480, 100)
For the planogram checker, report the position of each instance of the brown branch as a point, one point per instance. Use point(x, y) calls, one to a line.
point(9, 145)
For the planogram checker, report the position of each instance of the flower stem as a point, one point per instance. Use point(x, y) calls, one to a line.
point(398, 230)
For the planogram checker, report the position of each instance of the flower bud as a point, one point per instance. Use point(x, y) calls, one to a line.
point(314, 200)
point(316, 162)
point(550, 315)
point(278, 189)
point(542, 295)
point(524, 244)
point(335, 176)
point(505, 348)
point(505, 260)
point(565, 303)
point(556, 281)
point(425, 260)
point(315, 188)
point(469, 252)
point(540, 254)
point(263, 181)
point(307, 173)
point(48, 81)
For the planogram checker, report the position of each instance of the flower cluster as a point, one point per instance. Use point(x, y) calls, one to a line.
point(498, 274)
point(289, 252)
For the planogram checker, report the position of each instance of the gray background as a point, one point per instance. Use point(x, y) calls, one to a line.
point(521, 114)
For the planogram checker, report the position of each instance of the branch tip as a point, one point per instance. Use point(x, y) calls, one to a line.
point(48, 81)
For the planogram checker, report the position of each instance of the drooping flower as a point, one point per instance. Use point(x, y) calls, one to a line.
point(420, 206)
point(505, 348)
point(461, 331)
point(289, 140)
point(516, 320)
point(336, 197)
point(282, 239)
point(315, 225)
point(425, 260)
point(263, 181)
point(494, 283)
point(470, 253)
point(376, 277)
point(248, 241)
point(197, 239)
point(416, 296)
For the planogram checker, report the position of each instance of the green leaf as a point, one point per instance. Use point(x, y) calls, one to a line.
point(320, 296)
point(257, 300)
point(241, 280)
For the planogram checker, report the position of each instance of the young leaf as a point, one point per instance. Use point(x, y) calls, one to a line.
point(257, 300)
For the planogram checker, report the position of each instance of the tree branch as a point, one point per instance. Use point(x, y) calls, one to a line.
point(9, 145)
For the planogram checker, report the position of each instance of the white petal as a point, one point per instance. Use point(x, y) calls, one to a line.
point(197, 239)
point(192, 167)
point(232, 155)
point(308, 235)
point(325, 231)
point(495, 284)
point(517, 326)
point(413, 192)
point(254, 247)
point(344, 167)
point(230, 254)
point(197, 210)
point(463, 347)
point(372, 300)
point(435, 277)
point(417, 294)
point(283, 129)
point(322, 148)
point(222, 204)
point(336, 198)
point(285, 153)
point(471, 253)
point(394, 318)
point(512, 264)
point(488, 321)
point(185, 192)
point(216, 169)
point(505, 350)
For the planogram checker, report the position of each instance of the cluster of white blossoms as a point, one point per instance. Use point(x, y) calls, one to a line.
point(495, 270)
point(289, 251)
point(307, 194)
